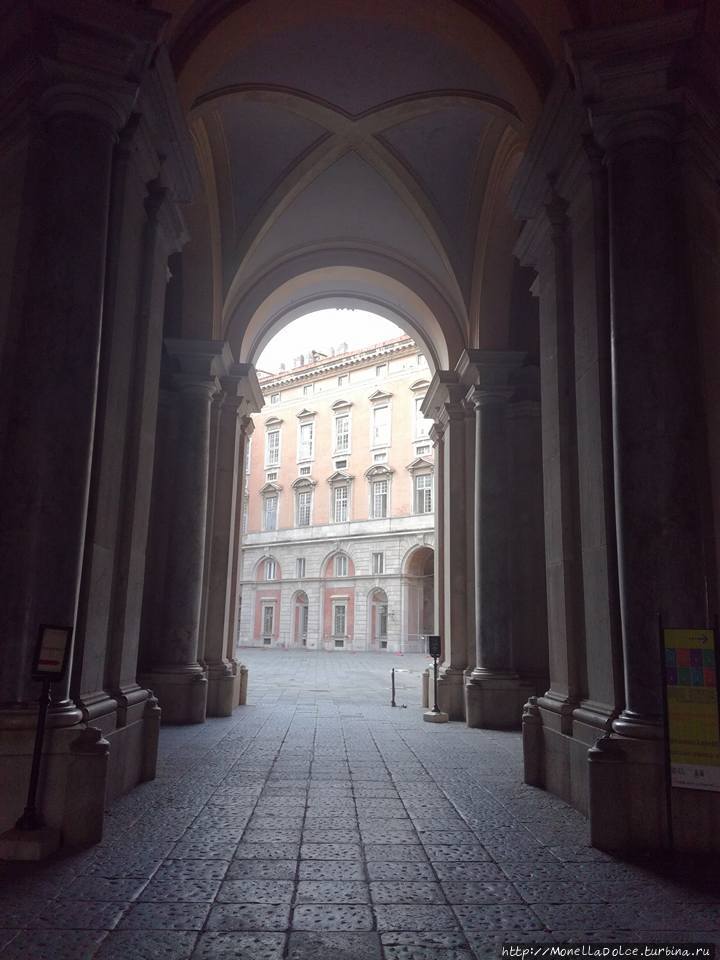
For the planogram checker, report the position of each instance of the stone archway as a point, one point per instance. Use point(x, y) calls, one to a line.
point(418, 597)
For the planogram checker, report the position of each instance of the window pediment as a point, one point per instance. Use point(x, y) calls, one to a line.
point(379, 395)
point(304, 414)
point(379, 470)
point(341, 405)
point(272, 422)
point(420, 385)
point(420, 463)
point(270, 488)
point(340, 476)
point(303, 483)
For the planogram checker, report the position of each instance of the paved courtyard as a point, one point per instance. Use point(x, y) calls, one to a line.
point(318, 823)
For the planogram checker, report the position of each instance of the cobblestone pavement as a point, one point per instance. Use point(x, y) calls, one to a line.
point(318, 823)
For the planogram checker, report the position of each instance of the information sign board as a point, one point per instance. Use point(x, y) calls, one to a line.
point(692, 708)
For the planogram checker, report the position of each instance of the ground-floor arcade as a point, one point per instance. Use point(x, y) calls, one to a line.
point(318, 822)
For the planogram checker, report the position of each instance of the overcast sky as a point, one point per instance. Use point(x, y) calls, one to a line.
point(322, 330)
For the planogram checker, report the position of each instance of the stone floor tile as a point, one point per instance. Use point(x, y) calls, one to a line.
point(249, 916)
point(165, 916)
point(330, 851)
point(337, 891)
point(53, 945)
point(411, 951)
point(430, 917)
point(457, 852)
point(256, 891)
point(122, 867)
point(406, 892)
point(239, 946)
point(207, 848)
point(499, 916)
point(102, 888)
point(447, 837)
point(486, 945)
point(470, 891)
point(446, 940)
point(174, 870)
point(332, 917)
point(473, 871)
point(318, 835)
point(395, 851)
point(262, 870)
point(547, 870)
point(332, 870)
point(147, 945)
point(398, 871)
point(78, 915)
point(180, 891)
point(278, 835)
point(561, 891)
point(334, 946)
point(267, 851)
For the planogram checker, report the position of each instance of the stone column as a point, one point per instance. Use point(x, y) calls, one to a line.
point(444, 403)
point(437, 435)
point(175, 676)
point(232, 611)
point(219, 648)
point(47, 450)
point(494, 693)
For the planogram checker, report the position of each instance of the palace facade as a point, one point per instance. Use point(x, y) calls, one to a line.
point(338, 509)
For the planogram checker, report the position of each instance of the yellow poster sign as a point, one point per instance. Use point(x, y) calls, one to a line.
point(692, 708)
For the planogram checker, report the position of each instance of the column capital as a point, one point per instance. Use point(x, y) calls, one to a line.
point(436, 434)
point(489, 373)
point(241, 386)
point(626, 74)
point(204, 359)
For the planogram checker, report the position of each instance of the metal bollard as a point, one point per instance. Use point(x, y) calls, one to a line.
point(392, 681)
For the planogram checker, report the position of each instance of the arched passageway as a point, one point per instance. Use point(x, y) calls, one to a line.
point(529, 194)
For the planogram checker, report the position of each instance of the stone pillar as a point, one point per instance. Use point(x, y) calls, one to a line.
point(232, 612)
point(443, 403)
point(494, 693)
point(437, 435)
point(470, 655)
point(224, 540)
point(47, 450)
point(175, 676)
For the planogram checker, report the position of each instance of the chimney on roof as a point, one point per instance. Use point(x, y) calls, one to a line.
point(342, 348)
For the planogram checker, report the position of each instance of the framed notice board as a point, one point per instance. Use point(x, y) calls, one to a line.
point(693, 719)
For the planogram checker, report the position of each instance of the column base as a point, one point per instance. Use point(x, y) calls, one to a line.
point(495, 702)
point(29, 844)
point(222, 693)
point(627, 796)
point(182, 695)
point(450, 696)
point(430, 717)
point(72, 788)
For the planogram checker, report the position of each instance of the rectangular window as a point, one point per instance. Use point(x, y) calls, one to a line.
point(381, 370)
point(422, 449)
point(342, 433)
point(340, 504)
point(422, 426)
point(341, 565)
point(271, 475)
point(381, 426)
point(308, 389)
point(268, 618)
point(379, 499)
point(274, 398)
point(342, 380)
point(378, 563)
point(270, 570)
point(300, 567)
point(245, 516)
point(423, 493)
point(339, 642)
point(272, 448)
point(304, 610)
point(307, 441)
point(380, 457)
point(339, 619)
point(303, 508)
point(304, 471)
point(340, 464)
point(271, 504)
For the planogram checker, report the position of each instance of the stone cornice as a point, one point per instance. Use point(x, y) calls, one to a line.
point(338, 363)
